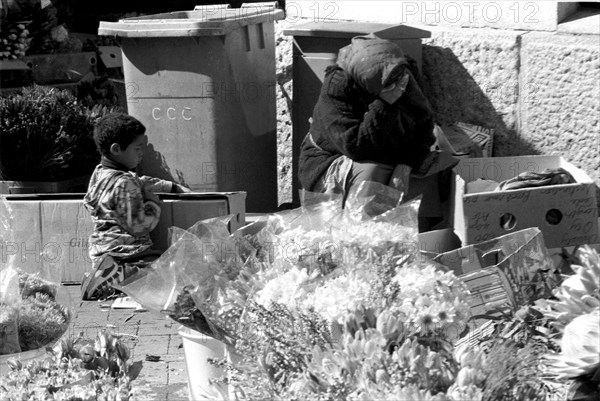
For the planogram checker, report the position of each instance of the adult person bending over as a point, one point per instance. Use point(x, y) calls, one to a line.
point(371, 122)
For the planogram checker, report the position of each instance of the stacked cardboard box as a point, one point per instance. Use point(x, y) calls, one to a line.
point(50, 232)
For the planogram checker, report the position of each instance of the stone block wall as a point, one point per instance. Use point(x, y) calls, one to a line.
point(474, 77)
point(560, 97)
point(517, 70)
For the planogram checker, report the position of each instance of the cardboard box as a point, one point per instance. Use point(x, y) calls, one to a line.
point(484, 137)
point(464, 140)
point(184, 210)
point(566, 214)
point(502, 274)
point(436, 242)
point(50, 236)
point(51, 231)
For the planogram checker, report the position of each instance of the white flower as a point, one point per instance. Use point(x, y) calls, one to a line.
point(429, 296)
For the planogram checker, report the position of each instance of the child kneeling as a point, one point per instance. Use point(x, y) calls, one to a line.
point(123, 206)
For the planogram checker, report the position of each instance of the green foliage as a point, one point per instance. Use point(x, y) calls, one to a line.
point(46, 135)
point(41, 321)
point(73, 370)
point(33, 318)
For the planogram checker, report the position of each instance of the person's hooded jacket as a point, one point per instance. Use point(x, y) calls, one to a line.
point(350, 119)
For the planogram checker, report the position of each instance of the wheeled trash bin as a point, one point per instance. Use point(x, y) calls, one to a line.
point(316, 45)
point(203, 84)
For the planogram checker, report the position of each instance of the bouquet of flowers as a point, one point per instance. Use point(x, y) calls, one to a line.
point(73, 370)
point(334, 264)
point(30, 316)
point(199, 260)
point(322, 284)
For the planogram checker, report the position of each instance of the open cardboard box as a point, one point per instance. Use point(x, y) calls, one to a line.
point(51, 231)
point(436, 242)
point(185, 210)
point(482, 216)
point(500, 272)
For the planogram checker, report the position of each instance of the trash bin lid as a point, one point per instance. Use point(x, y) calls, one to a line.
point(203, 21)
point(348, 29)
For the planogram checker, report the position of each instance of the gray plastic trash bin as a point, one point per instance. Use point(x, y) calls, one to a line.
point(203, 84)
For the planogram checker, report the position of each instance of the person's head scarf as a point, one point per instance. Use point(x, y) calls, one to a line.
point(373, 63)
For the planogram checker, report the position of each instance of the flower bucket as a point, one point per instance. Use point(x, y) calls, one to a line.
point(23, 357)
point(197, 348)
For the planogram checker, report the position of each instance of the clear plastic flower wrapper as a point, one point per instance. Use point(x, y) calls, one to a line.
point(34, 312)
point(357, 271)
point(206, 276)
point(194, 263)
point(34, 309)
point(9, 329)
point(9, 324)
point(323, 233)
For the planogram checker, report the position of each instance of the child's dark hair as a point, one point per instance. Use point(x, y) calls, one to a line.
point(118, 128)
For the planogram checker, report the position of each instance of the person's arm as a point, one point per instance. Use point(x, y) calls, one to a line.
point(154, 185)
point(416, 120)
point(355, 128)
point(400, 132)
point(180, 189)
point(131, 211)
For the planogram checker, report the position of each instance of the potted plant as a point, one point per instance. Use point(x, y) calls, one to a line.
point(46, 142)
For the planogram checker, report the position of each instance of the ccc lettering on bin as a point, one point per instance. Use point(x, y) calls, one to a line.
point(171, 113)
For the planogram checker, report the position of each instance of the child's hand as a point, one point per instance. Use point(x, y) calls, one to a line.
point(180, 189)
point(150, 196)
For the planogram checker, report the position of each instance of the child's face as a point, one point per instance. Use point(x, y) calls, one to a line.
point(131, 156)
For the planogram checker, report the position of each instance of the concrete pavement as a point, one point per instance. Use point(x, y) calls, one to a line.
point(146, 334)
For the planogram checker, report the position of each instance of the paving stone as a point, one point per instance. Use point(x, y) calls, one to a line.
point(129, 318)
point(178, 392)
point(151, 345)
point(177, 372)
point(156, 329)
point(143, 333)
point(150, 392)
point(154, 372)
point(176, 344)
point(126, 334)
point(152, 317)
point(174, 357)
point(92, 317)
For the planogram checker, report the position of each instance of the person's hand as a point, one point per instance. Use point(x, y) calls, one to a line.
point(434, 163)
point(400, 178)
point(392, 92)
point(150, 196)
point(180, 189)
